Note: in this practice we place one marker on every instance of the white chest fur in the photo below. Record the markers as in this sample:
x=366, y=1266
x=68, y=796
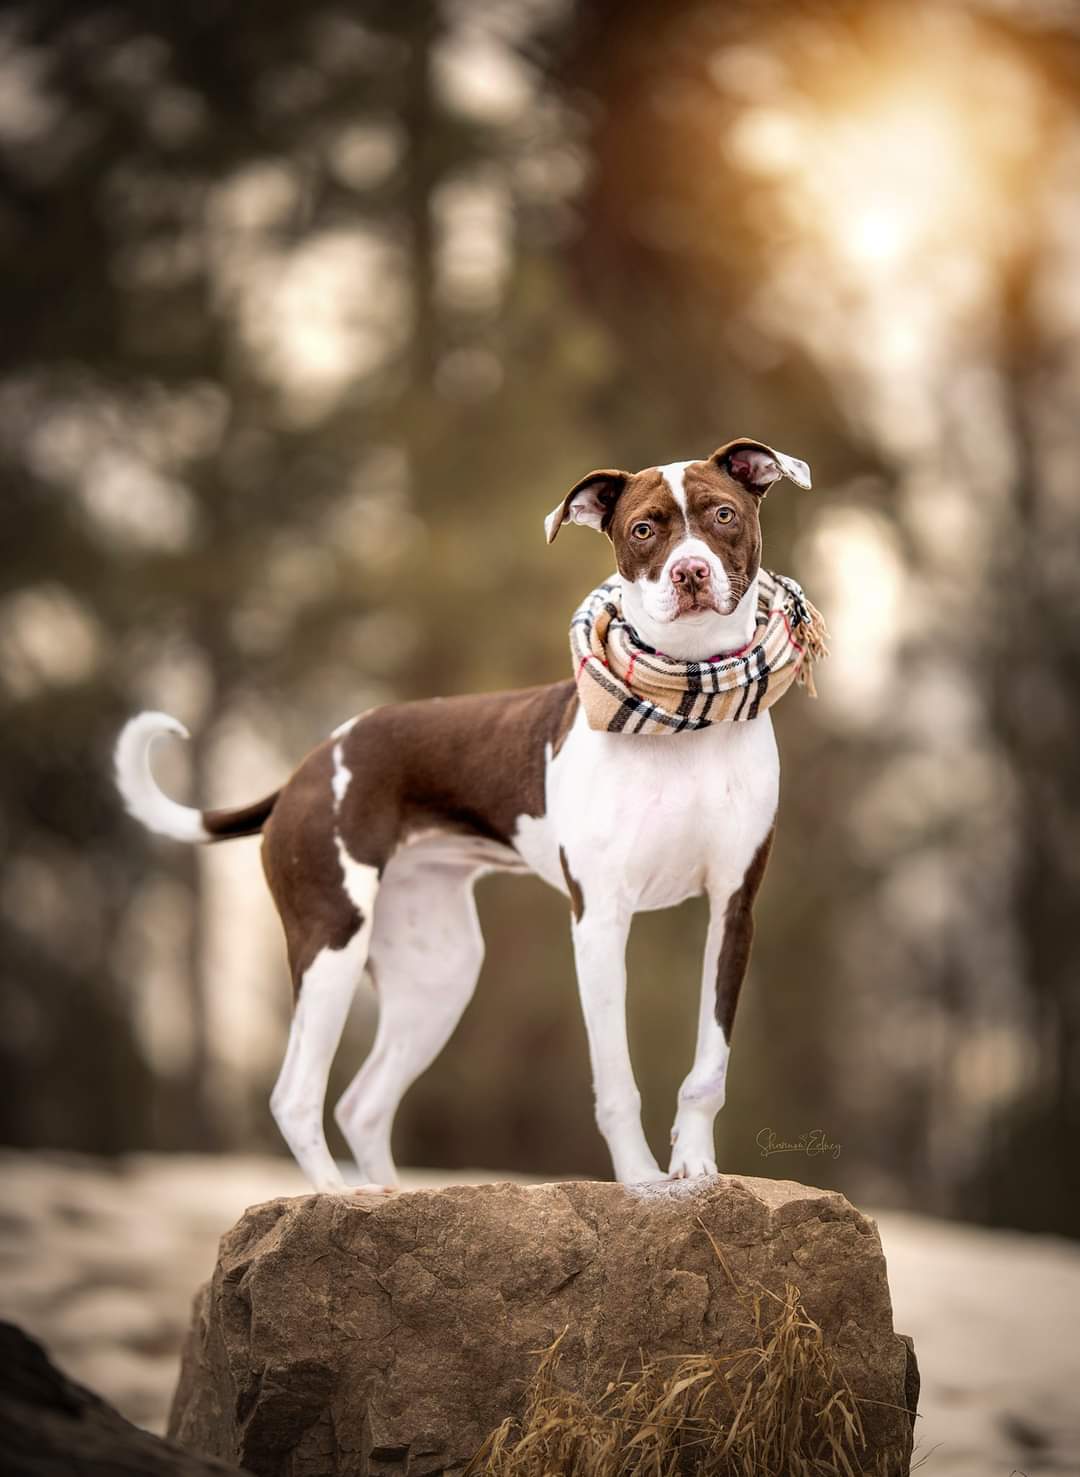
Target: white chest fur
x=645, y=822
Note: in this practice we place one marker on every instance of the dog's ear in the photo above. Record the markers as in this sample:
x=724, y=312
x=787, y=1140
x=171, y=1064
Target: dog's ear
x=589, y=501
x=757, y=466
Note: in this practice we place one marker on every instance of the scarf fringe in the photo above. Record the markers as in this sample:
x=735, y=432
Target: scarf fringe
x=815, y=635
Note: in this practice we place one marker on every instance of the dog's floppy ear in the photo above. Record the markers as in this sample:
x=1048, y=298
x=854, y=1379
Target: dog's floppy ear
x=757, y=466
x=589, y=501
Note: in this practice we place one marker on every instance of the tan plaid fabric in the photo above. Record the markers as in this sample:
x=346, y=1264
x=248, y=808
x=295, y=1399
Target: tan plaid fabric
x=627, y=687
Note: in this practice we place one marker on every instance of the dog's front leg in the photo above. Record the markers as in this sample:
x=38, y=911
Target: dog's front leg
x=727, y=954
x=600, y=953
x=701, y=1095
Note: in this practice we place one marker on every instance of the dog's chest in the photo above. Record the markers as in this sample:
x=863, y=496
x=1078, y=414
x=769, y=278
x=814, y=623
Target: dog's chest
x=654, y=820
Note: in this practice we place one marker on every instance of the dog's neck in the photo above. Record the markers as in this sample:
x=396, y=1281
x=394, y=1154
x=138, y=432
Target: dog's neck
x=693, y=638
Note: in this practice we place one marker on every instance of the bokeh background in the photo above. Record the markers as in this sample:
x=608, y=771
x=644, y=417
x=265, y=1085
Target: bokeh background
x=312, y=312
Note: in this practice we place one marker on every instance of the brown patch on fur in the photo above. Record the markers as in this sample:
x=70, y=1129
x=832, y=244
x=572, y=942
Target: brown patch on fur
x=474, y=763
x=573, y=886
x=737, y=543
x=302, y=867
x=739, y=937
x=471, y=765
x=647, y=498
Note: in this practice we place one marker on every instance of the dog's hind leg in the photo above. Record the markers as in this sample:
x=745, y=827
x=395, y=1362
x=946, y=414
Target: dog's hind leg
x=325, y=990
x=426, y=953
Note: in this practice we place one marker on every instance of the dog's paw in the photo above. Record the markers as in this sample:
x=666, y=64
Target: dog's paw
x=641, y=1174
x=349, y=1192
x=691, y=1166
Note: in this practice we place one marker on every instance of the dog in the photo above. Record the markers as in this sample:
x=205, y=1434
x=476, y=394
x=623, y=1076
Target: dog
x=372, y=849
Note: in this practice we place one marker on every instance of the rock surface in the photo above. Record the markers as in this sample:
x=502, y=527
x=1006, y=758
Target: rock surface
x=391, y=1335
x=52, y=1427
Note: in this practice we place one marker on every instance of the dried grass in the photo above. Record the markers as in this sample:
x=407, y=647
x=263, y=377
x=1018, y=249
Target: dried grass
x=781, y=1407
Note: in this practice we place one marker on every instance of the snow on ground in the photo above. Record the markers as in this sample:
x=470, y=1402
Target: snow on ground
x=100, y=1262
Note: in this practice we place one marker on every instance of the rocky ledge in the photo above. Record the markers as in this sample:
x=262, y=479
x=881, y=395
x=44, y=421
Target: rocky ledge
x=394, y=1334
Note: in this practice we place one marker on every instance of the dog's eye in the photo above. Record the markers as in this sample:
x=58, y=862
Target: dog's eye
x=724, y=514
x=641, y=530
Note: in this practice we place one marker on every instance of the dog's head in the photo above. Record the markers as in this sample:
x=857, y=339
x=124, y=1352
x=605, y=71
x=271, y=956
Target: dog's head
x=687, y=540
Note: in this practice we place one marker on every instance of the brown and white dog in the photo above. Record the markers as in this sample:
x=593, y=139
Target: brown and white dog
x=372, y=848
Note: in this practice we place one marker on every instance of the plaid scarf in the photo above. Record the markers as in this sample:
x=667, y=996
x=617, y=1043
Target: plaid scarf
x=627, y=687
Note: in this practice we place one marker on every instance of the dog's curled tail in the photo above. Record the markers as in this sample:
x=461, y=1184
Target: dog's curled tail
x=149, y=804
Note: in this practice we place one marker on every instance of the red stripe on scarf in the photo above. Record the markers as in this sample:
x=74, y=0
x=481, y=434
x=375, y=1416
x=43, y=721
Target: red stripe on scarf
x=787, y=627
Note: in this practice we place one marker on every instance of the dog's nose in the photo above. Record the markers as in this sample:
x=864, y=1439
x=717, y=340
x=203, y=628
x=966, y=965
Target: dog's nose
x=690, y=572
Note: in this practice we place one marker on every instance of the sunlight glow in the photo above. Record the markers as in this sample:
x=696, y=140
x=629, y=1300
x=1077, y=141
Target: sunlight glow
x=906, y=180
x=919, y=146
x=901, y=177
x=878, y=232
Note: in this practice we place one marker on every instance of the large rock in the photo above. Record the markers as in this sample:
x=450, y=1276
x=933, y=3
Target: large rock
x=392, y=1335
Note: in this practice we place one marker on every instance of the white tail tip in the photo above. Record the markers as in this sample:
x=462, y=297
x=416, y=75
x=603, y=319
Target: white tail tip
x=140, y=791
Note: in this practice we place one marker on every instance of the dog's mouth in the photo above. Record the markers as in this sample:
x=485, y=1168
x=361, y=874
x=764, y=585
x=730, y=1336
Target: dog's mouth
x=698, y=603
